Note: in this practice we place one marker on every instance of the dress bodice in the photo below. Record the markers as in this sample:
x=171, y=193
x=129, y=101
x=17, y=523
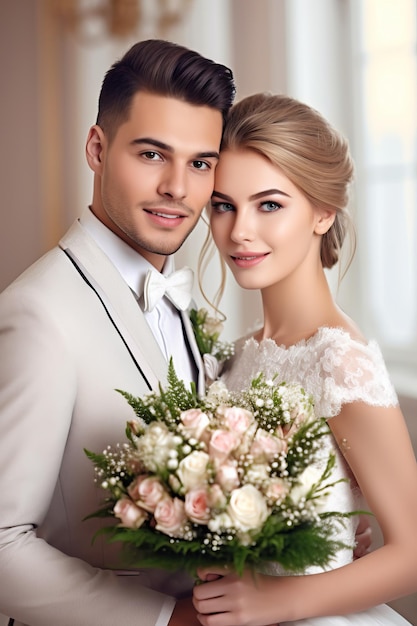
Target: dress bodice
x=335, y=369
x=331, y=366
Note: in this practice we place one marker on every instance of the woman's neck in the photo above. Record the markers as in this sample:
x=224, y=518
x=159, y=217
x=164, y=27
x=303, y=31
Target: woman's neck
x=295, y=309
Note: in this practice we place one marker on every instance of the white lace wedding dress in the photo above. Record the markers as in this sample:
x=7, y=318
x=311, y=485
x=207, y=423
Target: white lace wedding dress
x=335, y=369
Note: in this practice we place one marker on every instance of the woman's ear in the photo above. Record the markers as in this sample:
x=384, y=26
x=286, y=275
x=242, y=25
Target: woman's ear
x=94, y=148
x=325, y=220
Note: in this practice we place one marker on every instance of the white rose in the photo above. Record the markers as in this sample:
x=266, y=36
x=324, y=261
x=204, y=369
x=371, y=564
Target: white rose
x=212, y=325
x=247, y=508
x=304, y=484
x=192, y=470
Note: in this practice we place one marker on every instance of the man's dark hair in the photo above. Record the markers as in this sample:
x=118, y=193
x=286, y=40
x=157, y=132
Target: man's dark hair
x=167, y=69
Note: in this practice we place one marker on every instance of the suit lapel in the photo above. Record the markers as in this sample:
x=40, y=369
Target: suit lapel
x=118, y=301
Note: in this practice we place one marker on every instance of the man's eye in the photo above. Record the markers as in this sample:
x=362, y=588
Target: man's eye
x=201, y=165
x=151, y=155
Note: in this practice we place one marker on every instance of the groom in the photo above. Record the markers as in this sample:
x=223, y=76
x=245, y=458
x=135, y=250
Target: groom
x=81, y=322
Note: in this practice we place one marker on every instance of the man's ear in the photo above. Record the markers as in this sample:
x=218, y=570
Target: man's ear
x=325, y=220
x=94, y=148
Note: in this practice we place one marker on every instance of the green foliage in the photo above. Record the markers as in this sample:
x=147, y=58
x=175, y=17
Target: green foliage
x=294, y=548
x=166, y=404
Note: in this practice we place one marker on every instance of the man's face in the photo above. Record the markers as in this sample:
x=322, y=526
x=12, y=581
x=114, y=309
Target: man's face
x=157, y=174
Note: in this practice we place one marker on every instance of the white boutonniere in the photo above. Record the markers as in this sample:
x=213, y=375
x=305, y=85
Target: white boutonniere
x=207, y=330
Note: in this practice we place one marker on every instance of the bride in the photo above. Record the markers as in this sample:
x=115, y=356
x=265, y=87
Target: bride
x=278, y=217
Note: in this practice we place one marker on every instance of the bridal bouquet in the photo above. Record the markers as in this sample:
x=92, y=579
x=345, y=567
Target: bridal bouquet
x=227, y=478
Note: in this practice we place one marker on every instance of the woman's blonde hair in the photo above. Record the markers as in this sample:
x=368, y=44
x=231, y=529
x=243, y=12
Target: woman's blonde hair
x=310, y=152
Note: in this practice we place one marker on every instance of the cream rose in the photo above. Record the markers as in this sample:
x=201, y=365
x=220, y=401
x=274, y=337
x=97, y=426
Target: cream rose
x=170, y=517
x=130, y=515
x=212, y=325
x=192, y=470
x=247, y=508
x=305, y=482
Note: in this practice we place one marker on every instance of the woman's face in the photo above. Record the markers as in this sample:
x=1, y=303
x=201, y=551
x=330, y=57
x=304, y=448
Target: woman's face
x=264, y=227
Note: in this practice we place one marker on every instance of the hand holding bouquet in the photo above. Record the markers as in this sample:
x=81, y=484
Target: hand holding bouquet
x=228, y=478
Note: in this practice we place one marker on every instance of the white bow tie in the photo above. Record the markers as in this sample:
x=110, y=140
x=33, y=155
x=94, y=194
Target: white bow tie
x=177, y=287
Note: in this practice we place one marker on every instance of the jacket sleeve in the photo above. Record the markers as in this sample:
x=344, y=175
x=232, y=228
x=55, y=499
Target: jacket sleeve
x=40, y=585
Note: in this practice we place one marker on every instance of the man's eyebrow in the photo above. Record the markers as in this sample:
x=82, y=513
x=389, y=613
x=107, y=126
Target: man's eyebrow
x=164, y=146
x=255, y=196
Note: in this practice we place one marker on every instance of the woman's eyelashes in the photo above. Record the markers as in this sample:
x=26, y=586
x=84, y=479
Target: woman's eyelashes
x=266, y=206
x=221, y=207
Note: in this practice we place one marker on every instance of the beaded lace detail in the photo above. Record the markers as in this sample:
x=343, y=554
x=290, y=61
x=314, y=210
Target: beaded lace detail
x=335, y=369
x=330, y=365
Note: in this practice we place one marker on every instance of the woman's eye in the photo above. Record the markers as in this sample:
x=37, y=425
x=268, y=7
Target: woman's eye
x=221, y=207
x=201, y=165
x=270, y=206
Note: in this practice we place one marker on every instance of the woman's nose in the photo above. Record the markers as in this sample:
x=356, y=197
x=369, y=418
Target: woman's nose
x=243, y=229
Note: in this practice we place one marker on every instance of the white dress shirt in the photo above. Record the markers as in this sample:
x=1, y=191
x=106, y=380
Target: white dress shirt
x=164, y=320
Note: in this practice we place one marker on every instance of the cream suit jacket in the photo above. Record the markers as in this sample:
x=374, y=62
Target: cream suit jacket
x=71, y=332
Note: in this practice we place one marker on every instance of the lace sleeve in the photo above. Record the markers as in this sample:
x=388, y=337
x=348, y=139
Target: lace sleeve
x=352, y=372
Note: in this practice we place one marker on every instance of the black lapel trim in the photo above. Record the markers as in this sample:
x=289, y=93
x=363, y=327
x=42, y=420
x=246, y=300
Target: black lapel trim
x=84, y=277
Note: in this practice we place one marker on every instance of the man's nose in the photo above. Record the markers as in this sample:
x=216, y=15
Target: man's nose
x=173, y=183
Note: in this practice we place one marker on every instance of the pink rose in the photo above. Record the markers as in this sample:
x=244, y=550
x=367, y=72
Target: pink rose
x=130, y=515
x=147, y=491
x=194, y=422
x=265, y=446
x=170, y=517
x=227, y=476
x=222, y=443
x=236, y=419
x=196, y=506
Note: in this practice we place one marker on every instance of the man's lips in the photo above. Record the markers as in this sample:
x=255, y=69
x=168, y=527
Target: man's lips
x=166, y=217
x=168, y=213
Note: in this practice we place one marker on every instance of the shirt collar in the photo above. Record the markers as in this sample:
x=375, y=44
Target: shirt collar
x=132, y=266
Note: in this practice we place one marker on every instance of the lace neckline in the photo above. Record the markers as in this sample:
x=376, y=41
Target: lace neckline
x=321, y=333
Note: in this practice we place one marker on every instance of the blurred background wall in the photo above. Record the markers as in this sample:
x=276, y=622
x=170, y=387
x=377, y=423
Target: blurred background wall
x=354, y=60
